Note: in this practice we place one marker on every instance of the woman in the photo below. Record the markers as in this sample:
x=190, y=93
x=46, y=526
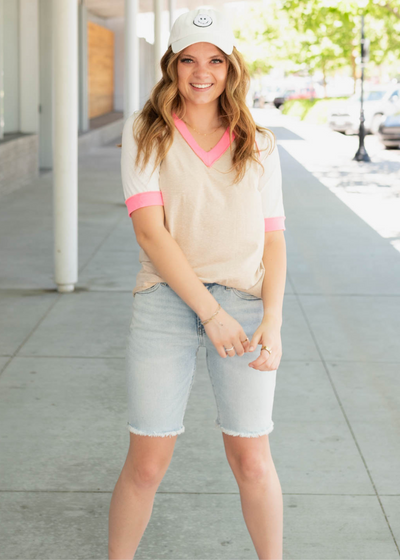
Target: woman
x=205, y=198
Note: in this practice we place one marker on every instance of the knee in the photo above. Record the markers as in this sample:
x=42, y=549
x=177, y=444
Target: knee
x=147, y=474
x=251, y=468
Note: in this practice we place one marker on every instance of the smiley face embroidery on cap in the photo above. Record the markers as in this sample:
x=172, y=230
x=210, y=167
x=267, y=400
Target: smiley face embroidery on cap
x=202, y=20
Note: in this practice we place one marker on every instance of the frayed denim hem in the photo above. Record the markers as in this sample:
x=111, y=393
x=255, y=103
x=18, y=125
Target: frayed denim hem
x=248, y=435
x=155, y=434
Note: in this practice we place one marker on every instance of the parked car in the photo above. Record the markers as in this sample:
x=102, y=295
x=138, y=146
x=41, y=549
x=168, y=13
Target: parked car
x=282, y=96
x=258, y=99
x=377, y=103
x=389, y=129
x=266, y=95
x=304, y=93
x=270, y=94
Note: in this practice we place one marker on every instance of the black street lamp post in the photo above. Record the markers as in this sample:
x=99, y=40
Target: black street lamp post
x=361, y=154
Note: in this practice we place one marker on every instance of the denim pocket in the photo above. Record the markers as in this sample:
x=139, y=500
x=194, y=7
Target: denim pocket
x=245, y=295
x=149, y=290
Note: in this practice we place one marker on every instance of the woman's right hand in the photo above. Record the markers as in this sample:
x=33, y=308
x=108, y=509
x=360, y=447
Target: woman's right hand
x=229, y=333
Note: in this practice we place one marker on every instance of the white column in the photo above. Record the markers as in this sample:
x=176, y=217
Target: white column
x=29, y=65
x=157, y=40
x=65, y=196
x=171, y=7
x=1, y=70
x=131, y=83
x=46, y=83
x=83, y=69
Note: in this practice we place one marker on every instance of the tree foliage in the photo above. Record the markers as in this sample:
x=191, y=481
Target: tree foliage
x=320, y=35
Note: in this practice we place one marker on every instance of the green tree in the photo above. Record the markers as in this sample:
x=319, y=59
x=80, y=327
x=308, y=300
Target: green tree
x=324, y=35
x=333, y=28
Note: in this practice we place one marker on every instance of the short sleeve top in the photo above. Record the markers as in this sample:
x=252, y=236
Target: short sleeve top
x=220, y=226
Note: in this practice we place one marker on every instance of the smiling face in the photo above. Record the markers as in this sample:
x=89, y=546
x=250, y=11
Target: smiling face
x=202, y=64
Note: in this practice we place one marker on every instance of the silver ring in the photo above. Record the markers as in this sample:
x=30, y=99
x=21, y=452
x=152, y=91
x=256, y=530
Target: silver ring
x=229, y=349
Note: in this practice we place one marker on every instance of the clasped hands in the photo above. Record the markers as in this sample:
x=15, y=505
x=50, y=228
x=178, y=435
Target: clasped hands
x=268, y=333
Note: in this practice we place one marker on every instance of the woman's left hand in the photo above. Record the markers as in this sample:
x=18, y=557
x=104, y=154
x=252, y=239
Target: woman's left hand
x=267, y=334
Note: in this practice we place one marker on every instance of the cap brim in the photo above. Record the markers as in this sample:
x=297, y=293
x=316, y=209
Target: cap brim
x=178, y=46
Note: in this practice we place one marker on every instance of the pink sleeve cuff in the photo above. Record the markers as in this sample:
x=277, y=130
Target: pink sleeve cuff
x=273, y=224
x=150, y=198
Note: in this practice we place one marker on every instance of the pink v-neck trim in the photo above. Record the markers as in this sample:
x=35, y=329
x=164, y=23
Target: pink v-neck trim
x=207, y=157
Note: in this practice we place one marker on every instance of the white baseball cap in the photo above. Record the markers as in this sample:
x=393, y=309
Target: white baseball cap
x=202, y=25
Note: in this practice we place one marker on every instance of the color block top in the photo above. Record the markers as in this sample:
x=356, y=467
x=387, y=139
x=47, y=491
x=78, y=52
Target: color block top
x=218, y=225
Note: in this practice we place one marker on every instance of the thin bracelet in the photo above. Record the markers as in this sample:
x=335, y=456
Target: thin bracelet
x=212, y=316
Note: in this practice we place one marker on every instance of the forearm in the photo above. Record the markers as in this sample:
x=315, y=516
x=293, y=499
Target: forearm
x=273, y=287
x=173, y=266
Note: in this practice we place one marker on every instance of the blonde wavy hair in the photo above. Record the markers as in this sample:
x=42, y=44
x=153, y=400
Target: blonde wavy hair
x=154, y=126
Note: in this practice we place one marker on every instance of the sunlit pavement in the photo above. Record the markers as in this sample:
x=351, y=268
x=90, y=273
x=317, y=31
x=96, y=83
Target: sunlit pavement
x=336, y=442
x=370, y=189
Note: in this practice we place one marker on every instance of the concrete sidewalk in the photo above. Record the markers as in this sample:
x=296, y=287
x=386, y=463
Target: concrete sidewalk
x=336, y=443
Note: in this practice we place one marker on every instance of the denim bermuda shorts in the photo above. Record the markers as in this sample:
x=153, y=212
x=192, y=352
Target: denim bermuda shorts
x=164, y=337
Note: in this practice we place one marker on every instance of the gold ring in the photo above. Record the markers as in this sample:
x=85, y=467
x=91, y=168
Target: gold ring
x=267, y=349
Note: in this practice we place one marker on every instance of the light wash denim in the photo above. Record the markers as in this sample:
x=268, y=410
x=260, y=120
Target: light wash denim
x=164, y=337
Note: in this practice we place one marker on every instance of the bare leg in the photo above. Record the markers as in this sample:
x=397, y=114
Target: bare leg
x=260, y=492
x=133, y=497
